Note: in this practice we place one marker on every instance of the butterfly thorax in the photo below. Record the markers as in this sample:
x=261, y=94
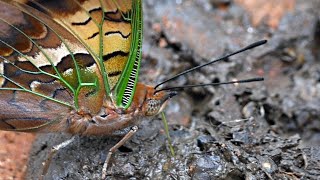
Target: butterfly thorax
x=112, y=118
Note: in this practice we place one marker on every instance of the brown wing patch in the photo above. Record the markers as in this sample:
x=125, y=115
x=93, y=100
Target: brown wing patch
x=35, y=50
x=21, y=38
x=82, y=18
x=21, y=111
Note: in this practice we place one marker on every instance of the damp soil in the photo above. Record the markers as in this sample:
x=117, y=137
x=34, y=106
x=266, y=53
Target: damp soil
x=262, y=130
x=14, y=153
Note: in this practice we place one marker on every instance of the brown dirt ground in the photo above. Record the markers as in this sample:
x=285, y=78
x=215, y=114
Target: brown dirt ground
x=14, y=153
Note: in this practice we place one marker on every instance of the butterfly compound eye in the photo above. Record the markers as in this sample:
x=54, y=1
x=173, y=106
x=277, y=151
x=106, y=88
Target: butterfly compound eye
x=158, y=101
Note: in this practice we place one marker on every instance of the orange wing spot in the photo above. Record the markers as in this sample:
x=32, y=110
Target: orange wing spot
x=114, y=43
x=123, y=5
x=37, y=30
x=124, y=28
x=5, y=51
x=115, y=64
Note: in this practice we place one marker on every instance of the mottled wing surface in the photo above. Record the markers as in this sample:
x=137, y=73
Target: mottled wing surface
x=112, y=32
x=45, y=71
x=59, y=56
x=126, y=86
x=104, y=26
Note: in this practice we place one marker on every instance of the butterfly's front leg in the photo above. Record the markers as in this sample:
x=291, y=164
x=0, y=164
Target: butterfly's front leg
x=53, y=151
x=132, y=131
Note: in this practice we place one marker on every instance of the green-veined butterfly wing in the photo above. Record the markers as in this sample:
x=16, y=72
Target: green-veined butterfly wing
x=112, y=32
x=45, y=71
x=68, y=53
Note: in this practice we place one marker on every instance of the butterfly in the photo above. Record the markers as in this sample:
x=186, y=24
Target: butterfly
x=72, y=66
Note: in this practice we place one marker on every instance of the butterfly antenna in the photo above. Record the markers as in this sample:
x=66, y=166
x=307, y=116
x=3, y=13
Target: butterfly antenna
x=181, y=88
x=251, y=46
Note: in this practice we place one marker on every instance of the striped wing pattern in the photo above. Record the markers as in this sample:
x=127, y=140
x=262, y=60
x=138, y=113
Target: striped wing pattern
x=58, y=56
x=87, y=19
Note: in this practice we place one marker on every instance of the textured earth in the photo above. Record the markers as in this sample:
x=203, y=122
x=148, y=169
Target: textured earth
x=14, y=153
x=262, y=130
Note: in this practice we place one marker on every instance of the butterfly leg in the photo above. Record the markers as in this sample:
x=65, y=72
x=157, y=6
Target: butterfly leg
x=132, y=131
x=53, y=151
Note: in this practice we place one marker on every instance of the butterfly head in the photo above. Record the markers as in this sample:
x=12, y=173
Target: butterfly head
x=153, y=102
